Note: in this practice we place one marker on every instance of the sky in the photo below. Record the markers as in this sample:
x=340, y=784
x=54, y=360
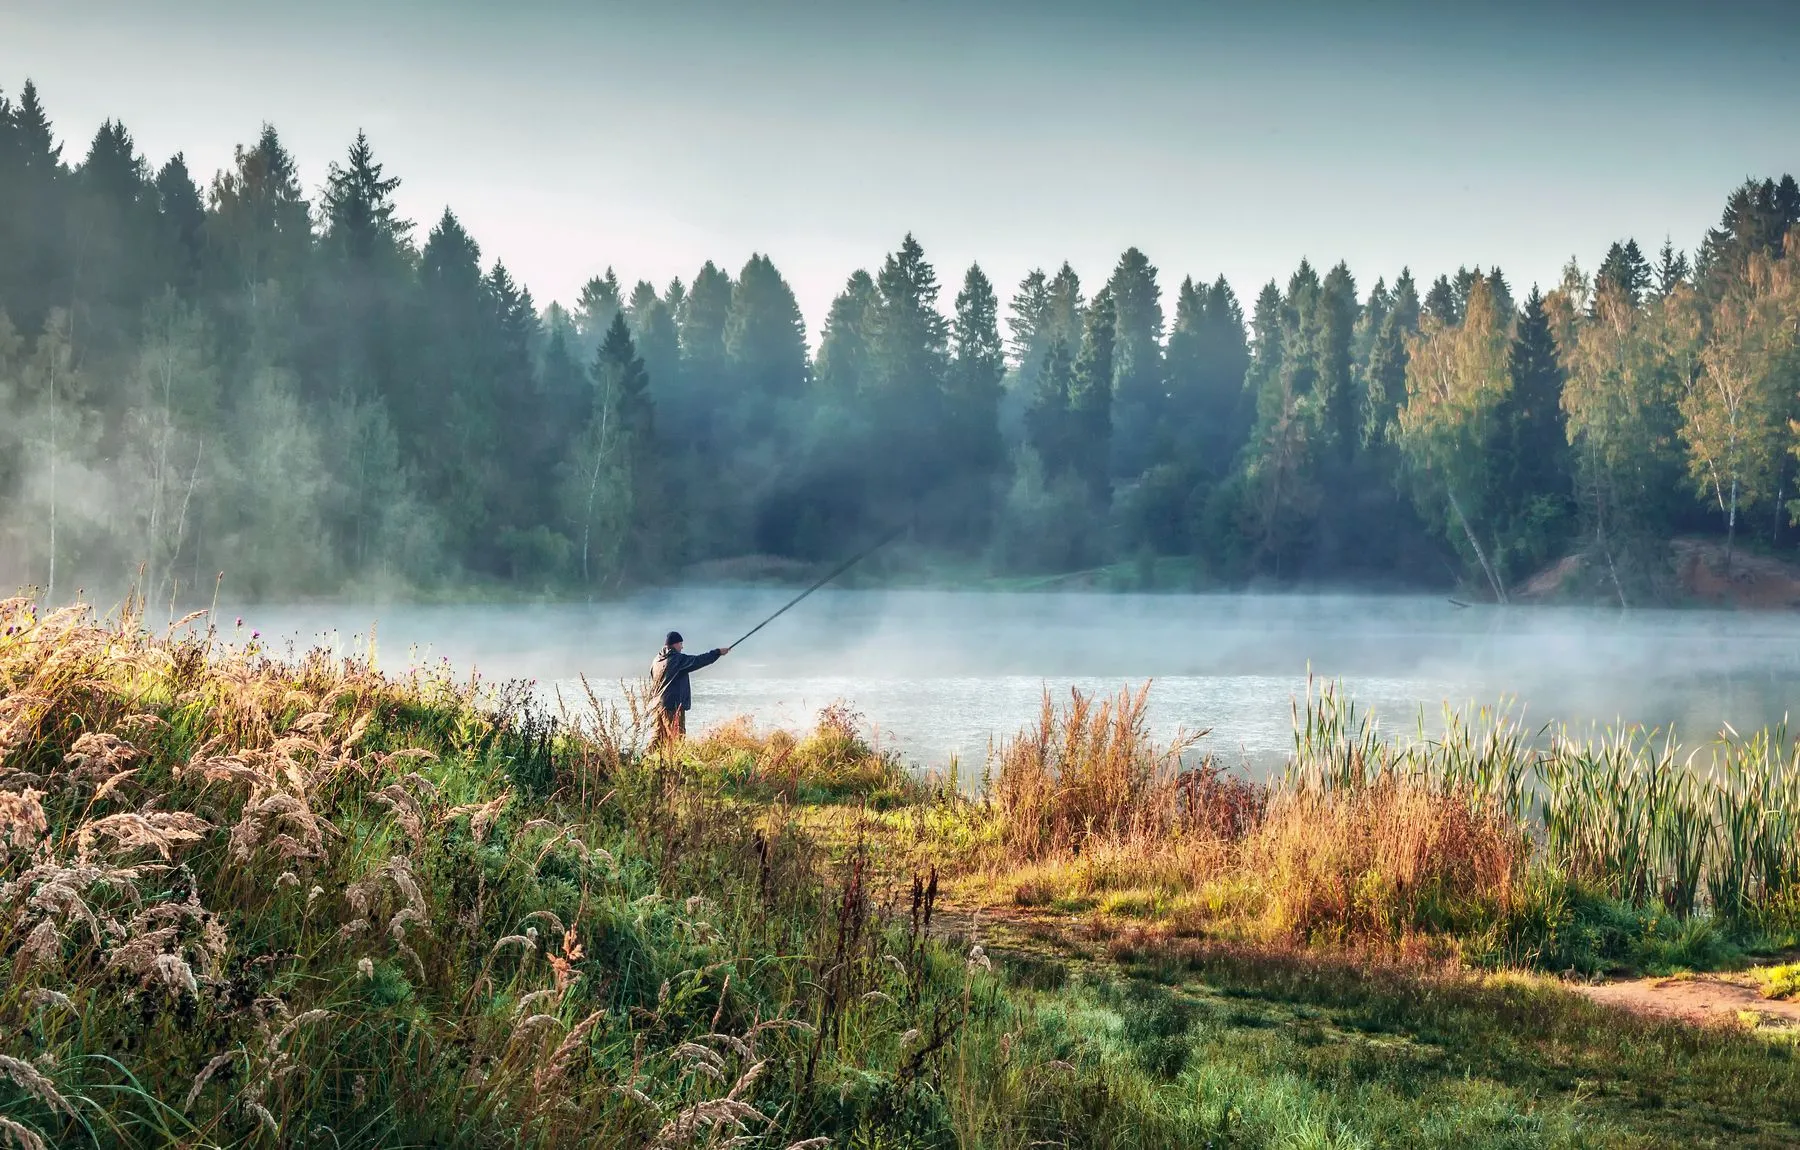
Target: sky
x=1228, y=139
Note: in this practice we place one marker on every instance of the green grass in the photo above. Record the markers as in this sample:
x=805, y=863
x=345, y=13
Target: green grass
x=417, y=916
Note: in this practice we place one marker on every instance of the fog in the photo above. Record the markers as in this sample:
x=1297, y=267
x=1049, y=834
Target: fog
x=938, y=673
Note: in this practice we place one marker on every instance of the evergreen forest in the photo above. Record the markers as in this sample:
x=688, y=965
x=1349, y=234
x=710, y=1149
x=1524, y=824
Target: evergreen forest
x=231, y=372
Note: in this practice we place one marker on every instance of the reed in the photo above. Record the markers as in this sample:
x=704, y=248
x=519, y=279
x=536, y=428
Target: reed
x=1368, y=838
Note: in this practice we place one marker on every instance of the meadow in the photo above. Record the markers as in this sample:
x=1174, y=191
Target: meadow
x=249, y=900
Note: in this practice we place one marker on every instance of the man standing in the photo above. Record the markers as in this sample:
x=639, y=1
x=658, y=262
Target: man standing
x=669, y=681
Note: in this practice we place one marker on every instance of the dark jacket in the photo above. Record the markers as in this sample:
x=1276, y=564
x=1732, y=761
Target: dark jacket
x=669, y=676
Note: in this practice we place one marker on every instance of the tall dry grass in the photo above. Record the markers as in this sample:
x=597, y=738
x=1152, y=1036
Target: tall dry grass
x=248, y=900
x=1365, y=837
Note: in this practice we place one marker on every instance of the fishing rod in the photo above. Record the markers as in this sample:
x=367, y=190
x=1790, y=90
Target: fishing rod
x=838, y=570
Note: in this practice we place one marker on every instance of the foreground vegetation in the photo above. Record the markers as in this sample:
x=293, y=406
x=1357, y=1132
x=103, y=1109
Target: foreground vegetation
x=251, y=902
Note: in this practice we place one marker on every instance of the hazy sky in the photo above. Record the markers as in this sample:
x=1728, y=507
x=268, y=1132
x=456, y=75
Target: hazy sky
x=1229, y=138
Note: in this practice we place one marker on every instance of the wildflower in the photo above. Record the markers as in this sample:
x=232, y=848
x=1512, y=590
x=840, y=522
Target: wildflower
x=365, y=967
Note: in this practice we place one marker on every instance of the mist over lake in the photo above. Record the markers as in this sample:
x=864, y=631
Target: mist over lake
x=939, y=673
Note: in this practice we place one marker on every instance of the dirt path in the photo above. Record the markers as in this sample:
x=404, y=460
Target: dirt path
x=1699, y=998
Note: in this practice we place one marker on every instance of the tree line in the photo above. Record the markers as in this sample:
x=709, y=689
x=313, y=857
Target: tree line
x=302, y=392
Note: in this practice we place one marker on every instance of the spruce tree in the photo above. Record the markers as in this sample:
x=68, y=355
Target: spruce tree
x=1140, y=392
x=1048, y=431
x=1339, y=403
x=977, y=366
x=624, y=381
x=1063, y=320
x=361, y=219
x=1384, y=382
x=183, y=223
x=1091, y=398
x=910, y=344
x=765, y=337
x=702, y=320
x=1534, y=485
x=1671, y=269
x=1261, y=380
x=1029, y=324
x=1442, y=304
x=1206, y=362
x=1501, y=295
x=112, y=215
x=1624, y=270
x=658, y=342
x=34, y=259
x=259, y=230
x=595, y=306
x=842, y=368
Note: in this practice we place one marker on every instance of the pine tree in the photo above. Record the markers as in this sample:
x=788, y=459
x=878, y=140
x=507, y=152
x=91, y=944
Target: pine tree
x=1064, y=316
x=843, y=368
x=361, y=219
x=1029, y=324
x=1207, y=361
x=34, y=256
x=1441, y=302
x=1140, y=392
x=1756, y=220
x=910, y=344
x=112, y=228
x=702, y=320
x=1624, y=270
x=260, y=228
x=1384, y=373
x=657, y=339
x=1531, y=449
x=1048, y=431
x=1339, y=403
x=1671, y=270
x=595, y=307
x=1501, y=294
x=977, y=366
x=621, y=372
x=765, y=337
x=183, y=223
x=1091, y=398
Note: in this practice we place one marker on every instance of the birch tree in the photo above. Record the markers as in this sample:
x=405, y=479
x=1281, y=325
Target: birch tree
x=1456, y=377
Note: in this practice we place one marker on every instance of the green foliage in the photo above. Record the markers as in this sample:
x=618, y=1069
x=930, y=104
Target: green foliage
x=447, y=429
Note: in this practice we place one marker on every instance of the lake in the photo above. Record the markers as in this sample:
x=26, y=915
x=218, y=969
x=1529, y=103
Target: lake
x=938, y=673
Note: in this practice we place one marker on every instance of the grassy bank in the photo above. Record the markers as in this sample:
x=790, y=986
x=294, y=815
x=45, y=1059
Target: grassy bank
x=1621, y=852
x=246, y=902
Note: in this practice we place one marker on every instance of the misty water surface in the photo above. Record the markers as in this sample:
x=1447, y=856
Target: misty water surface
x=938, y=673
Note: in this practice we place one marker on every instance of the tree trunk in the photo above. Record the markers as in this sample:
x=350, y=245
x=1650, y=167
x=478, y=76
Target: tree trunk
x=1731, y=527
x=50, y=589
x=1480, y=553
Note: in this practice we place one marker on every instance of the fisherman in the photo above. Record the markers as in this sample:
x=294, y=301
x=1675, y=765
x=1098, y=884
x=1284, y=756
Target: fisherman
x=669, y=680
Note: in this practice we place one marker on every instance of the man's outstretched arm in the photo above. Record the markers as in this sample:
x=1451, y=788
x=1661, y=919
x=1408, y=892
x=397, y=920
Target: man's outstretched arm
x=707, y=659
